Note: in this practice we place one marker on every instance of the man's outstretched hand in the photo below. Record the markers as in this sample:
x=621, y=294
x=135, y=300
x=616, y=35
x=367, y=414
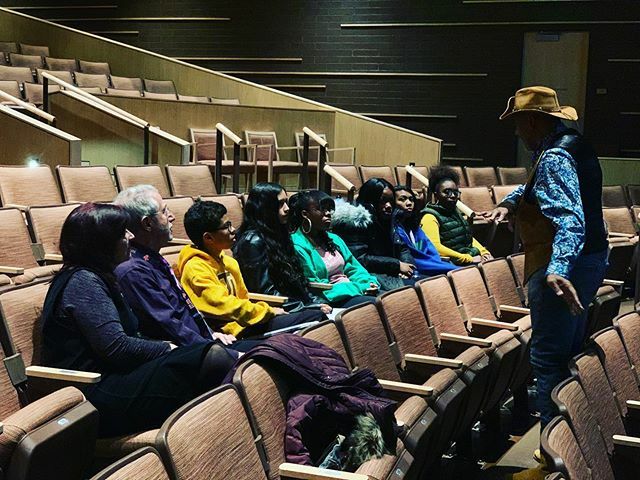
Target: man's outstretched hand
x=496, y=215
x=564, y=288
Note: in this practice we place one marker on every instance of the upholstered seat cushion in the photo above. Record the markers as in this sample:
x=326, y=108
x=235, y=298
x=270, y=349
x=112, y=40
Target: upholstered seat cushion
x=32, y=274
x=116, y=447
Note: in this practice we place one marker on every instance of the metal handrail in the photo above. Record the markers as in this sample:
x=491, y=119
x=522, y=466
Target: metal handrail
x=221, y=131
x=50, y=119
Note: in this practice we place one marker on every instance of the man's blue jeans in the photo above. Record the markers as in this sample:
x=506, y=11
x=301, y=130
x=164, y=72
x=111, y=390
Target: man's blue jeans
x=557, y=335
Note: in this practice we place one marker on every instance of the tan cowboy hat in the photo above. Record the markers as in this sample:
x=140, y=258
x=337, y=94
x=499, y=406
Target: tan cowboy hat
x=538, y=99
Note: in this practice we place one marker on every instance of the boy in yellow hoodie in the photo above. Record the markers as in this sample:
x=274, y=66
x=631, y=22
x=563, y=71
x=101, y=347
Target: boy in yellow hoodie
x=214, y=282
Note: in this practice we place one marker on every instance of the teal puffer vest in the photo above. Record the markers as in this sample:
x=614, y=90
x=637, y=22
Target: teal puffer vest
x=455, y=232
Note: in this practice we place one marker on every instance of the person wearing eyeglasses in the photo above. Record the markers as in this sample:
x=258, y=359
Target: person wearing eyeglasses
x=214, y=283
x=445, y=226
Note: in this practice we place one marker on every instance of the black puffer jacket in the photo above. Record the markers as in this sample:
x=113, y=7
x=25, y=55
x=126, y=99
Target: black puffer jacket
x=373, y=244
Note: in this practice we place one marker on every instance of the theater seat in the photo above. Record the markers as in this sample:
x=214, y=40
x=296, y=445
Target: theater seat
x=86, y=184
x=193, y=180
x=39, y=50
x=561, y=452
x=143, y=464
x=512, y=175
x=130, y=176
x=95, y=68
x=481, y=176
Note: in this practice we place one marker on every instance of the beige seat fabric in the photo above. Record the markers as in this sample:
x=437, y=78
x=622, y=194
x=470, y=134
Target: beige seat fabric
x=19, y=74
x=86, y=184
x=126, y=83
x=179, y=206
x=385, y=172
x=143, y=464
x=512, y=175
x=22, y=185
x=61, y=64
x=39, y=50
x=480, y=176
x=96, y=68
x=28, y=61
x=129, y=176
x=192, y=180
x=233, y=204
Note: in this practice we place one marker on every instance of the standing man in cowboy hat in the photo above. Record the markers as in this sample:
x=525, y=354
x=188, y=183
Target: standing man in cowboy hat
x=558, y=213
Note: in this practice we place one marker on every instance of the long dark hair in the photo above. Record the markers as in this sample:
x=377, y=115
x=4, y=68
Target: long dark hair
x=370, y=194
x=410, y=221
x=261, y=216
x=90, y=236
x=303, y=201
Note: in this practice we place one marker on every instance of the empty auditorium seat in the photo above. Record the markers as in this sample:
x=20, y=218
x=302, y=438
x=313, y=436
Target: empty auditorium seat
x=633, y=192
x=61, y=64
x=378, y=171
x=225, y=101
x=12, y=88
x=233, y=205
x=86, y=184
x=29, y=61
x=38, y=50
x=512, y=175
x=267, y=155
x=126, y=83
x=26, y=186
x=351, y=173
x=561, y=452
x=33, y=92
x=160, y=86
x=160, y=96
x=193, y=180
x=193, y=98
x=460, y=172
x=477, y=199
x=99, y=80
x=143, y=464
x=8, y=47
x=129, y=176
x=614, y=196
x=95, y=68
x=501, y=191
x=401, y=175
x=481, y=176
x=116, y=92
x=620, y=222
x=179, y=206
x=19, y=74
x=63, y=75
x=46, y=225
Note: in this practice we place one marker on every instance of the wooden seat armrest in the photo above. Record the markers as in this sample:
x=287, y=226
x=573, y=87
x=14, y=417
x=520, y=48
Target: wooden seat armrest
x=24, y=208
x=612, y=282
x=53, y=257
x=620, y=234
x=626, y=441
x=11, y=270
x=61, y=374
x=430, y=360
x=514, y=309
x=180, y=241
x=289, y=148
x=408, y=388
x=633, y=405
x=493, y=324
x=273, y=300
x=451, y=337
x=321, y=286
x=307, y=472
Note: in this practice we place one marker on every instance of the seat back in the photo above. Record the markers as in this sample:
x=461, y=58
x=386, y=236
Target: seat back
x=179, y=206
x=401, y=175
x=192, y=180
x=351, y=173
x=46, y=224
x=193, y=98
x=61, y=64
x=95, y=68
x=593, y=379
x=614, y=196
x=22, y=185
x=440, y=305
x=501, y=283
x=160, y=96
x=477, y=199
x=500, y=191
x=160, y=86
x=629, y=327
x=617, y=366
x=206, y=142
x=126, y=83
x=143, y=464
x=61, y=74
x=619, y=220
x=263, y=138
x=378, y=171
x=99, y=80
x=512, y=175
x=481, y=176
x=34, y=92
x=233, y=205
x=9, y=47
x=516, y=262
x=86, y=184
x=314, y=149
x=16, y=250
x=11, y=87
x=129, y=176
x=633, y=193
x=368, y=341
x=402, y=312
x=191, y=438
x=19, y=74
x=561, y=451
x=38, y=50
x=330, y=333
x=28, y=61
x=472, y=293
x=123, y=93
x=573, y=404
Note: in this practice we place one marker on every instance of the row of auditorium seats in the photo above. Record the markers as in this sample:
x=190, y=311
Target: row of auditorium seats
x=454, y=353
x=596, y=435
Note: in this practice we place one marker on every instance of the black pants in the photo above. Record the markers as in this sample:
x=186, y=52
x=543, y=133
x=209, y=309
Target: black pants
x=283, y=321
x=350, y=302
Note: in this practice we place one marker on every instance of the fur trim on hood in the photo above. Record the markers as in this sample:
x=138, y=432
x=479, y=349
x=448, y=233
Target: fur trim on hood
x=347, y=215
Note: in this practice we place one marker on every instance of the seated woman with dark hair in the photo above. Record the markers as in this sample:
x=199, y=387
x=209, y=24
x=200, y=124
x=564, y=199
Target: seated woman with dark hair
x=87, y=325
x=407, y=227
x=324, y=256
x=444, y=224
x=265, y=252
x=215, y=285
x=367, y=229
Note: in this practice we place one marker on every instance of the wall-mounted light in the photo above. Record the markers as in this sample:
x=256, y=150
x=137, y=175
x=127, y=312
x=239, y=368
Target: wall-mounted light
x=33, y=161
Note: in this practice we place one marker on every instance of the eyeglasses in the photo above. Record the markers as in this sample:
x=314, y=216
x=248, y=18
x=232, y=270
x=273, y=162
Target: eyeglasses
x=451, y=192
x=226, y=226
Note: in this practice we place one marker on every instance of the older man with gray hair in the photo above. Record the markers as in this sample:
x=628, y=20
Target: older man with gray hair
x=147, y=281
